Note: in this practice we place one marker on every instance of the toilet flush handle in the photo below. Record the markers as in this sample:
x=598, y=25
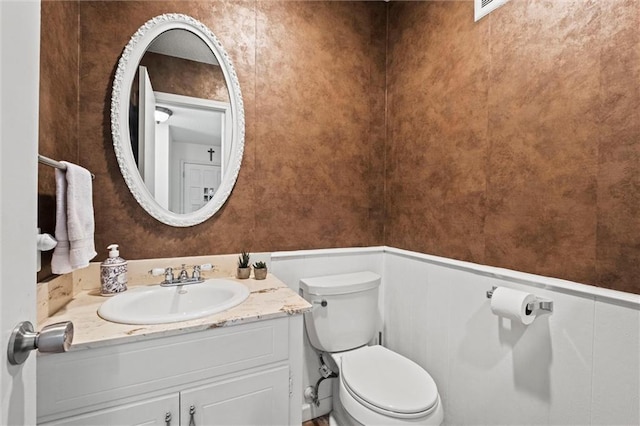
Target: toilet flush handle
x=322, y=302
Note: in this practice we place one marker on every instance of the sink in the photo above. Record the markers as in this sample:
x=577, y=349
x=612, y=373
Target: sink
x=160, y=305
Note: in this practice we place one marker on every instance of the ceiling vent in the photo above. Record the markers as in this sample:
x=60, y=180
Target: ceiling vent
x=483, y=7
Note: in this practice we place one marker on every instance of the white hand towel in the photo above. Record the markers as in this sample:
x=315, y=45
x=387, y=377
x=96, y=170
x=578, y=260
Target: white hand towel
x=60, y=262
x=74, y=220
x=80, y=223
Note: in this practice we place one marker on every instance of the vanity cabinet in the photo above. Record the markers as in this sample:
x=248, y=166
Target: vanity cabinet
x=255, y=399
x=240, y=375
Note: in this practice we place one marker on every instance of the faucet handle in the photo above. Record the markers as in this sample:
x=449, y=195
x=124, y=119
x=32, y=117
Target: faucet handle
x=157, y=272
x=168, y=275
x=196, y=272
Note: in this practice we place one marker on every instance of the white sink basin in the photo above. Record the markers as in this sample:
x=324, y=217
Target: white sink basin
x=159, y=305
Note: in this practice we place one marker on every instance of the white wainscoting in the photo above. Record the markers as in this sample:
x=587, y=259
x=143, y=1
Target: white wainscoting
x=579, y=365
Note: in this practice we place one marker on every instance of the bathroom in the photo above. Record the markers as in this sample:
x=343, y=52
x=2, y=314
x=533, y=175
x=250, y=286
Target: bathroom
x=405, y=139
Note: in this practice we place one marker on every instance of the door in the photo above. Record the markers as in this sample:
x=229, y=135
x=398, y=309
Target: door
x=260, y=399
x=146, y=129
x=200, y=183
x=19, y=86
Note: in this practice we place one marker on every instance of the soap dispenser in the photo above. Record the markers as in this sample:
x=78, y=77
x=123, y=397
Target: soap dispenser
x=113, y=273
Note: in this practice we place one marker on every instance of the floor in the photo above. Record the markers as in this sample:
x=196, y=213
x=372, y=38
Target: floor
x=318, y=421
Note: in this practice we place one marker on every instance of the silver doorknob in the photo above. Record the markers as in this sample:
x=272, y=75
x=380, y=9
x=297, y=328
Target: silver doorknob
x=53, y=338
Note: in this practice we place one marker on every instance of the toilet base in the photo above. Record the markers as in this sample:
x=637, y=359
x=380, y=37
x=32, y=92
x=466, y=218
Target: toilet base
x=339, y=415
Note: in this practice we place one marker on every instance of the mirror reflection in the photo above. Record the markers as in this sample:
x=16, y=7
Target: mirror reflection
x=180, y=121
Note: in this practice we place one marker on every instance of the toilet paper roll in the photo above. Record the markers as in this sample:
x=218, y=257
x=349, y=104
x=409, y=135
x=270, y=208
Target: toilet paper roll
x=512, y=304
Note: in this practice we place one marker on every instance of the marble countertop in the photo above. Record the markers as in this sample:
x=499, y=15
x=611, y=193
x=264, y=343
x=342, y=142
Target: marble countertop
x=268, y=299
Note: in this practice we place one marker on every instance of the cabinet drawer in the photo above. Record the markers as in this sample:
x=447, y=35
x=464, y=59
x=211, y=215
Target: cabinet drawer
x=83, y=381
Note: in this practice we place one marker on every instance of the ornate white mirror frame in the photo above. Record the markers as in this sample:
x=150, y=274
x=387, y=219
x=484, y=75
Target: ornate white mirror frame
x=120, y=97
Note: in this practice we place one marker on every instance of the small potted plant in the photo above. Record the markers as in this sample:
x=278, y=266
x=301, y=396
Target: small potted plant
x=244, y=270
x=260, y=270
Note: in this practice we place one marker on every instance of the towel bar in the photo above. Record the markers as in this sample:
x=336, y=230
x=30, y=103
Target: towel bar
x=56, y=164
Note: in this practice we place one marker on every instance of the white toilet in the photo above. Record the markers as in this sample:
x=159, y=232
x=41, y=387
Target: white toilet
x=375, y=386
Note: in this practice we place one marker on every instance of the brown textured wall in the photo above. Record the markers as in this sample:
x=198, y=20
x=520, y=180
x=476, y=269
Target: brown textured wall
x=512, y=142
x=58, y=118
x=515, y=141
x=320, y=132
x=312, y=78
x=167, y=74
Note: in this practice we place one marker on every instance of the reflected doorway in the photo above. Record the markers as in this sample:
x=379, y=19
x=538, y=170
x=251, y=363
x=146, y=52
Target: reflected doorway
x=199, y=184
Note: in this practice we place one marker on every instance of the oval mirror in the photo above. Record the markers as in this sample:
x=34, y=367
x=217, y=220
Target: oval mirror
x=177, y=120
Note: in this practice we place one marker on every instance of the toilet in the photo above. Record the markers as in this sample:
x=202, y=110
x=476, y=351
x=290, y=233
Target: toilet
x=375, y=386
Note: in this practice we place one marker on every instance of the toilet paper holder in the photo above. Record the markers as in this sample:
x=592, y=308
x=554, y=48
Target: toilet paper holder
x=544, y=305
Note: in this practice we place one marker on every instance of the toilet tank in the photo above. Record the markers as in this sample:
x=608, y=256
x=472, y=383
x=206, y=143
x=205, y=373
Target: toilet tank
x=350, y=317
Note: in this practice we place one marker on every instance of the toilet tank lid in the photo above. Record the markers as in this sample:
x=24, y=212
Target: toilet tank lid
x=340, y=284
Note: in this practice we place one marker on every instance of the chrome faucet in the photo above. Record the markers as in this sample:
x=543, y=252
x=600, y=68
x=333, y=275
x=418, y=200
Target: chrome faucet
x=183, y=274
x=183, y=277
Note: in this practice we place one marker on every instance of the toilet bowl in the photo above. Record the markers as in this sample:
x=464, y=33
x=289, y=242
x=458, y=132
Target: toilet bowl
x=375, y=386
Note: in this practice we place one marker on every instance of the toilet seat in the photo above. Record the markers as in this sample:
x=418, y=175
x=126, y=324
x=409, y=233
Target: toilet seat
x=388, y=383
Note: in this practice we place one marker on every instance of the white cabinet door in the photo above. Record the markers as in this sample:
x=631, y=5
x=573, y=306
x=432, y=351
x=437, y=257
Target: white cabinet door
x=149, y=412
x=256, y=399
